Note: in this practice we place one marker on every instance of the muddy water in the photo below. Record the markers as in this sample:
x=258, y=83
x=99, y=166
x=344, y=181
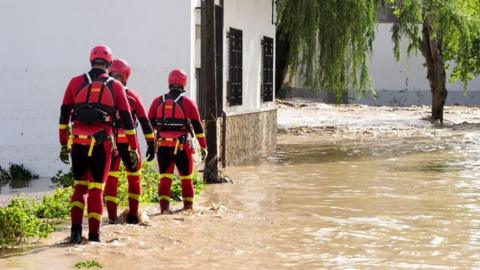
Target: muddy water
x=318, y=203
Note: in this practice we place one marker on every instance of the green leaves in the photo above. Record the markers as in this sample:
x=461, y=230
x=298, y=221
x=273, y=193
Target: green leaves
x=330, y=41
x=88, y=264
x=150, y=181
x=455, y=29
x=19, y=222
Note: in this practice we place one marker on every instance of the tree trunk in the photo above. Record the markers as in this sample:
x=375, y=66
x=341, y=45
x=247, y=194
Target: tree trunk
x=436, y=75
x=210, y=173
x=282, y=50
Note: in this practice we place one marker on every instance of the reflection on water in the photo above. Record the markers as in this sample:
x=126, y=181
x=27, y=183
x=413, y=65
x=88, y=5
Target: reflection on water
x=33, y=187
x=316, y=204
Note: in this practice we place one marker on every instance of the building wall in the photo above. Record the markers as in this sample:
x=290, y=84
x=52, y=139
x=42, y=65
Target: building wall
x=400, y=83
x=45, y=43
x=252, y=126
x=250, y=134
x=254, y=18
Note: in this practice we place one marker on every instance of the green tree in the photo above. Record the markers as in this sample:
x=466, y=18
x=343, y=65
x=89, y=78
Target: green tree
x=446, y=33
x=327, y=41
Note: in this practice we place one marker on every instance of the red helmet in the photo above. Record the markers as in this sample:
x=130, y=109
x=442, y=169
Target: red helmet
x=121, y=67
x=179, y=77
x=101, y=52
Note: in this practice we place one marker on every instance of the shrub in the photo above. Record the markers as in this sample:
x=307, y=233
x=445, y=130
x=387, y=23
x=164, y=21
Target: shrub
x=56, y=205
x=18, y=222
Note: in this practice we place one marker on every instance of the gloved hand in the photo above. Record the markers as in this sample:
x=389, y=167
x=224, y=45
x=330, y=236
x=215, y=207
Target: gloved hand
x=203, y=153
x=64, y=154
x=150, y=150
x=133, y=157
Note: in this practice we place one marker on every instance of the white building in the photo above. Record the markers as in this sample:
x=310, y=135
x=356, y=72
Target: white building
x=45, y=43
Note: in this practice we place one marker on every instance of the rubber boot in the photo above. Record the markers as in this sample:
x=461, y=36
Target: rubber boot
x=132, y=219
x=76, y=234
x=94, y=237
x=164, y=207
x=187, y=205
x=113, y=221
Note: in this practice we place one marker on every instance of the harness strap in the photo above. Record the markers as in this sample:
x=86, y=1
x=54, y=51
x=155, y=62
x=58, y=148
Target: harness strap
x=89, y=79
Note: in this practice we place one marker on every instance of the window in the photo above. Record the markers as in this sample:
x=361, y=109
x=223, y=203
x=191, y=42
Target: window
x=235, y=67
x=267, y=69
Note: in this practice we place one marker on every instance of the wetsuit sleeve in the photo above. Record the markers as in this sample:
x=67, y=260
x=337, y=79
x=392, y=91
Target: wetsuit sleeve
x=143, y=119
x=194, y=115
x=121, y=102
x=151, y=111
x=65, y=113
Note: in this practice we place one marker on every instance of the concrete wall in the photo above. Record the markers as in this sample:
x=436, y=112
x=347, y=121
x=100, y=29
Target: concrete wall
x=45, y=43
x=250, y=134
x=254, y=18
x=401, y=83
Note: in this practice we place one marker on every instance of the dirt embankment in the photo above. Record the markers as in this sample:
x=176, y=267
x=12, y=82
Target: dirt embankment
x=302, y=118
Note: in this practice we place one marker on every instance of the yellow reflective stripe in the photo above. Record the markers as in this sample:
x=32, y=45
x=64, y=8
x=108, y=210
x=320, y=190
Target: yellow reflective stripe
x=93, y=185
x=92, y=144
x=186, y=177
x=134, y=196
x=112, y=199
x=149, y=136
x=200, y=135
x=78, y=204
x=62, y=126
x=165, y=198
x=176, y=147
x=80, y=182
x=167, y=175
x=188, y=199
x=130, y=131
x=137, y=173
x=83, y=137
x=96, y=216
x=114, y=174
x=70, y=142
x=121, y=135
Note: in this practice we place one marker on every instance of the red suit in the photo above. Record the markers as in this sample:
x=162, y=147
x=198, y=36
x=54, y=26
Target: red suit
x=133, y=173
x=174, y=116
x=92, y=101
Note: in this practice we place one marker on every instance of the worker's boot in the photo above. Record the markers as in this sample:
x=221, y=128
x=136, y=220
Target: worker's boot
x=76, y=234
x=132, y=219
x=94, y=237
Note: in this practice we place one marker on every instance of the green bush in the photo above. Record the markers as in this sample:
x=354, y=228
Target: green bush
x=18, y=222
x=56, y=205
x=19, y=172
x=62, y=179
x=150, y=181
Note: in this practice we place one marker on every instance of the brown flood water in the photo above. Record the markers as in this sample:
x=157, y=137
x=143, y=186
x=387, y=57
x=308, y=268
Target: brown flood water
x=317, y=203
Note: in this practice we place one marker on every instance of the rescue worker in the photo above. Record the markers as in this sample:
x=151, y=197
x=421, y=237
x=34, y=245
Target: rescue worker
x=92, y=102
x=121, y=71
x=176, y=119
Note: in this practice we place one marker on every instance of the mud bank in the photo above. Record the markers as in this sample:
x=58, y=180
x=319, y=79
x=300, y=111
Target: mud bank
x=350, y=121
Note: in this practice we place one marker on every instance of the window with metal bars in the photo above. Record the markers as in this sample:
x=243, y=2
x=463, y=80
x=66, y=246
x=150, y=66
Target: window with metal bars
x=235, y=67
x=267, y=69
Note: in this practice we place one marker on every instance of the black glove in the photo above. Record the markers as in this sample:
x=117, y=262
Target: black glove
x=150, y=151
x=203, y=153
x=64, y=154
x=133, y=157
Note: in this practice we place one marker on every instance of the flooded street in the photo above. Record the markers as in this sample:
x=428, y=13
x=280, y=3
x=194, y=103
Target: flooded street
x=319, y=202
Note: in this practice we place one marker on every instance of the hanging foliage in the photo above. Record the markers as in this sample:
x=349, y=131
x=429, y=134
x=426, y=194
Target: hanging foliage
x=329, y=42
